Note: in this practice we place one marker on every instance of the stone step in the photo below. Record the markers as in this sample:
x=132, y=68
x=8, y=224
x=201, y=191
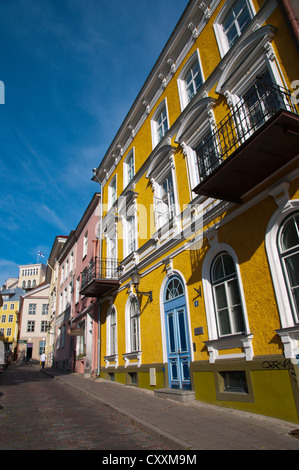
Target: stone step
x=175, y=394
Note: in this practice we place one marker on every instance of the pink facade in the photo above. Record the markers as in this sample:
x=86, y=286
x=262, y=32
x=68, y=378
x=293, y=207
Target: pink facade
x=76, y=335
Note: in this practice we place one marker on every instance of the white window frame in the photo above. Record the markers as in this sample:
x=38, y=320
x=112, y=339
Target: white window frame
x=128, y=176
x=221, y=38
x=161, y=165
x=289, y=331
x=77, y=290
x=128, y=210
x=216, y=342
x=184, y=99
x=111, y=347
x=283, y=257
x=132, y=354
x=112, y=192
x=154, y=123
x=32, y=309
x=85, y=244
x=197, y=123
x=164, y=211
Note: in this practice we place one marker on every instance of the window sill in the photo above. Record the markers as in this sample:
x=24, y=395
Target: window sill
x=132, y=356
x=113, y=358
x=289, y=337
x=243, y=341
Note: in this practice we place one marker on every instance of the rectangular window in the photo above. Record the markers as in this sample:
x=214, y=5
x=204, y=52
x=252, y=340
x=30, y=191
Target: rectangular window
x=112, y=192
x=30, y=326
x=234, y=381
x=43, y=327
x=193, y=80
x=12, y=306
x=3, y=318
x=236, y=21
x=130, y=168
x=8, y=332
x=45, y=309
x=42, y=347
x=165, y=203
x=77, y=289
x=10, y=318
x=162, y=124
x=32, y=309
x=85, y=244
x=131, y=236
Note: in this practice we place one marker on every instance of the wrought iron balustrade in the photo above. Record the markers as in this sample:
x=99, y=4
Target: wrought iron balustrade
x=100, y=268
x=261, y=102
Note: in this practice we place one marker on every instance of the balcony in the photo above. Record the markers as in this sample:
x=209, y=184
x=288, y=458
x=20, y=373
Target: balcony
x=258, y=137
x=100, y=277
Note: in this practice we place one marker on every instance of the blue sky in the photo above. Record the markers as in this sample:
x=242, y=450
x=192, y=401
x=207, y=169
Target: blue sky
x=71, y=71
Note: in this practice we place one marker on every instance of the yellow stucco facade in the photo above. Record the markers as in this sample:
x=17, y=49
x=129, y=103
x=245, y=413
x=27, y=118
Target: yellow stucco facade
x=251, y=366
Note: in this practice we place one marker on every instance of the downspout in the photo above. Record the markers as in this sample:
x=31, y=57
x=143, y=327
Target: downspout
x=292, y=20
x=100, y=257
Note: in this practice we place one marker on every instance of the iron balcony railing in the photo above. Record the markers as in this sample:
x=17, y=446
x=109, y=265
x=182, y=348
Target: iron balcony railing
x=100, y=268
x=257, y=105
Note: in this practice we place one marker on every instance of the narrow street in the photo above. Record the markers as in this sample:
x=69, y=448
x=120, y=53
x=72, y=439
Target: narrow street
x=38, y=413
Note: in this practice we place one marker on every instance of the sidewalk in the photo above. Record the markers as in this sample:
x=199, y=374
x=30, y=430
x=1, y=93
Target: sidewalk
x=186, y=426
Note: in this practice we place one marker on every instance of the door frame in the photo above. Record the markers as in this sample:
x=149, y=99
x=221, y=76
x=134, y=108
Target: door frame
x=174, y=272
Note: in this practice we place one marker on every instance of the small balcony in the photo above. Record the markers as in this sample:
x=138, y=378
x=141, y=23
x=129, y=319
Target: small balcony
x=100, y=277
x=258, y=137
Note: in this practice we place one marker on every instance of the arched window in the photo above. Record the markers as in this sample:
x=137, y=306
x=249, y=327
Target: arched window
x=174, y=289
x=112, y=332
x=134, y=325
x=288, y=246
x=226, y=294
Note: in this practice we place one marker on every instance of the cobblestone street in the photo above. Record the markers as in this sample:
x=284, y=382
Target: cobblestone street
x=39, y=413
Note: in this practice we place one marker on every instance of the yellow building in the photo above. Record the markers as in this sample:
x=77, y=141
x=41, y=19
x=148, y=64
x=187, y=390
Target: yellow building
x=201, y=211
x=9, y=317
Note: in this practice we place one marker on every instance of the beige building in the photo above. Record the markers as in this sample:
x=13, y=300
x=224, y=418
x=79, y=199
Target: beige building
x=34, y=323
x=31, y=275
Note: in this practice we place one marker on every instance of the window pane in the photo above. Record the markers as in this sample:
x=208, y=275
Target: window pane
x=171, y=334
x=296, y=301
x=218, y=271
x=292, y=265
x=229, y=265
x=233, y=290
x=221, y=300
x=237, y=318
x=182, y=331
x=224, y=322
x=290, y=236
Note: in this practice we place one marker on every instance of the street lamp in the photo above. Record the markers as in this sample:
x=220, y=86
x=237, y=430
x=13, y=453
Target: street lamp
x=136, y=276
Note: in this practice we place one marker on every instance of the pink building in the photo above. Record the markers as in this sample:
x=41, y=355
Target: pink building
x=76, y=322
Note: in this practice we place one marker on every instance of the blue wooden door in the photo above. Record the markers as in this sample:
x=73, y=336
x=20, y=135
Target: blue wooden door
x=178, y=344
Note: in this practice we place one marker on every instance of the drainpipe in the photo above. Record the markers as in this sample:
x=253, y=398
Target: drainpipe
x=292, y=19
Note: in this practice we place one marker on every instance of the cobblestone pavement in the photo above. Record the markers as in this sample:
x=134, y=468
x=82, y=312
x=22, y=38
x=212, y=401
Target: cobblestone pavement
x=38, y=413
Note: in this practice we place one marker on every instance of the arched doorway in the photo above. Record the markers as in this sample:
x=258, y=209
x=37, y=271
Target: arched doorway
x=177, y=337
